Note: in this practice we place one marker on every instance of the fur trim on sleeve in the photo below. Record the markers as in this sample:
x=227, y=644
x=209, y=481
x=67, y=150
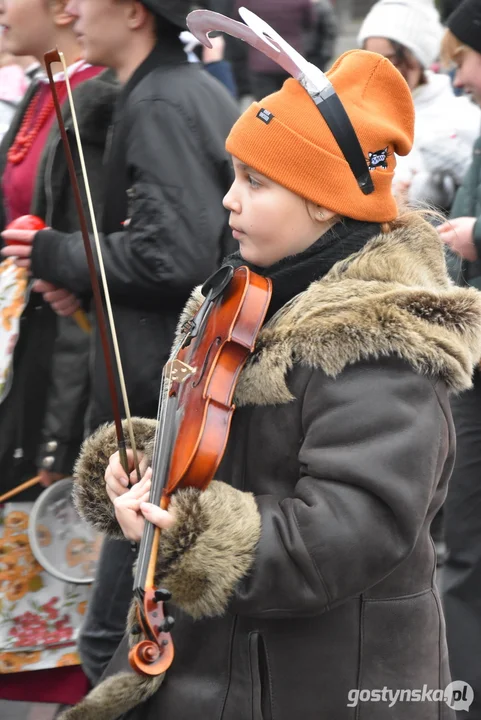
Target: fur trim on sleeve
x=114, y=696
x=89, y=494
x=210, y=548
x=119, y=693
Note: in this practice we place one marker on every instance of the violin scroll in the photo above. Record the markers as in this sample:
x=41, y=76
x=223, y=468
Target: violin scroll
x=153, y=656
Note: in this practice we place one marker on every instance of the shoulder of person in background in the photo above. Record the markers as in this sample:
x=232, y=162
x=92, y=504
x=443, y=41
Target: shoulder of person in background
x=7, y=113
x=435, y=101
x=446, y=130
x=323, y=34
x=215, y=63
x=212, y=58
x=13, y=83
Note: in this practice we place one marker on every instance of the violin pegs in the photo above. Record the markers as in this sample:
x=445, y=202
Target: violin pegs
x=162, y=595
x=136, y=629
x=167, y=624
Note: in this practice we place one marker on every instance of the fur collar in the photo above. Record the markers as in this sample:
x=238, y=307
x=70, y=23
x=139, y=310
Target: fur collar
x=394, y=297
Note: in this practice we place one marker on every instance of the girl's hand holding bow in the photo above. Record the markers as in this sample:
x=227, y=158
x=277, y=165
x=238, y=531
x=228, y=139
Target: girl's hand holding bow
x=131, y=505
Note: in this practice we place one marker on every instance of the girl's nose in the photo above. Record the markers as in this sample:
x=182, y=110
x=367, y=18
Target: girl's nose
x=230, y=202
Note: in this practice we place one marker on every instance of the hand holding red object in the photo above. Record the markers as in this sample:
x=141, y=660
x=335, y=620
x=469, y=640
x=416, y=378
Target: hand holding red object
x=19, y=236
x=27, y=222
x=30, y=223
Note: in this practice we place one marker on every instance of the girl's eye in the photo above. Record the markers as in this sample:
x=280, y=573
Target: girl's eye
x=253, y=182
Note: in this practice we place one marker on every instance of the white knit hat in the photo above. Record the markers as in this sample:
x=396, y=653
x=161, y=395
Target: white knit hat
x=412, y=23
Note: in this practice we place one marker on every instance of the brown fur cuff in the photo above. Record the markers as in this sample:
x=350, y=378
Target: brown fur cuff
x=210, y=548
x=90, y=496
x=114, y=696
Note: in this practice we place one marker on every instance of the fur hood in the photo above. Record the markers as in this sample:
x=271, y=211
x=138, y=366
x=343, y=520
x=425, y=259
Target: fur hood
x=394, y=297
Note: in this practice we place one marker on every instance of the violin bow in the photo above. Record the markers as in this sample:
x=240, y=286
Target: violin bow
x=51, y=57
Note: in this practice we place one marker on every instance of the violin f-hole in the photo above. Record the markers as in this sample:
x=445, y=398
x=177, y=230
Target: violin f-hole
x=217, y=342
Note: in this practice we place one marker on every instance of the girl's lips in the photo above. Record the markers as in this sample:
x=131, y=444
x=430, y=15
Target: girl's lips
x=237, y=233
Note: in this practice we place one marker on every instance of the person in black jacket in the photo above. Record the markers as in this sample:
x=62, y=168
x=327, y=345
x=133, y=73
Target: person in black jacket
x=42, y=415
x=163, y=229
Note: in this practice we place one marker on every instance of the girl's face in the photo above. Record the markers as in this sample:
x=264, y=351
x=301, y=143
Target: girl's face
x=268, y=221
x=28, y=26
x=468, y=72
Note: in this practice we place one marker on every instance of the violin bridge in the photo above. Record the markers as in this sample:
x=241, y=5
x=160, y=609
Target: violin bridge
x=177, y=371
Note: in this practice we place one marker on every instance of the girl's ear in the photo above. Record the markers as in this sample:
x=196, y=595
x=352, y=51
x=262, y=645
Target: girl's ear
x=320, y=214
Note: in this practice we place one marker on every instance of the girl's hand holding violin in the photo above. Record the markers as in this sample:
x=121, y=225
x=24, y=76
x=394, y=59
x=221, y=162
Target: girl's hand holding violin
x=131, y=505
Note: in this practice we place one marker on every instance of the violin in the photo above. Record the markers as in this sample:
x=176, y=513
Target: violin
x=198, y=385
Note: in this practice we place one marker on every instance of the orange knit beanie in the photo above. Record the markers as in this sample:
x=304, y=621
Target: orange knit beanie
x=285, y=137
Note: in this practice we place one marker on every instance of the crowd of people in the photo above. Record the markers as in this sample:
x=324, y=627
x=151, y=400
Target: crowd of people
x=306, y=570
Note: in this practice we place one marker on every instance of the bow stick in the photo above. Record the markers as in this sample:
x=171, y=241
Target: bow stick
x=51, y=57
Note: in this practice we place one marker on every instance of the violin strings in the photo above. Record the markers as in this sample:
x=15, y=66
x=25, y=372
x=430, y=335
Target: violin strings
x=159, y=430
x=145, y=545
x=162, y=415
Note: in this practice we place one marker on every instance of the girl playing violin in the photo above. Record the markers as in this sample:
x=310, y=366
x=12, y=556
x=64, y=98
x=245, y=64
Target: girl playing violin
x=302, y=577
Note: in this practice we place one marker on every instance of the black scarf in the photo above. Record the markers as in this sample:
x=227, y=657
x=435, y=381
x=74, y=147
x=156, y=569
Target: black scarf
x=292, y=275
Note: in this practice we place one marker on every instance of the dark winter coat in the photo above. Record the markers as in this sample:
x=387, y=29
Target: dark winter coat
x=167, y=172
x=307, y=570
x=42, y=418
x=468, y=204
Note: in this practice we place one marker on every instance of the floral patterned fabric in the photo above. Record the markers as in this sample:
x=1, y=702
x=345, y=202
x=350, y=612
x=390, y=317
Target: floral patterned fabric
x=40, y=616
x=13, y=299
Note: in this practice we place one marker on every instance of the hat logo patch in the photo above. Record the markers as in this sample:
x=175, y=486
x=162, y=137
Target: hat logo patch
x=378, y=159
x=265, y=115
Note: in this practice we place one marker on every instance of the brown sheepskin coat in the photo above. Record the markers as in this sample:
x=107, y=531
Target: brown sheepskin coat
x=306, y=571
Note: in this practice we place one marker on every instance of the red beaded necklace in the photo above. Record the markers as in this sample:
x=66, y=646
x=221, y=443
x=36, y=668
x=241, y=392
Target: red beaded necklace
x=32, y=123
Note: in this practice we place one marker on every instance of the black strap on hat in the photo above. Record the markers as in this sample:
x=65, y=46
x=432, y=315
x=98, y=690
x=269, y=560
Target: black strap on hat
x=332, y=110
